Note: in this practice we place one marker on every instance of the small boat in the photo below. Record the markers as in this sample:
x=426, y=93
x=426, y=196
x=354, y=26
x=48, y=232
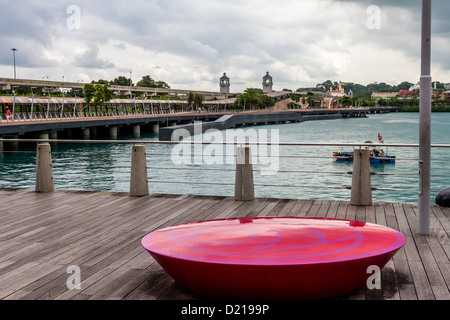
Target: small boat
x=377, y=155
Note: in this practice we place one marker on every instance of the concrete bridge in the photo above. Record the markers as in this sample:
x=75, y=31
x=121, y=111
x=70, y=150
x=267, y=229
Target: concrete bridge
x=111, y=127
x=56, y=86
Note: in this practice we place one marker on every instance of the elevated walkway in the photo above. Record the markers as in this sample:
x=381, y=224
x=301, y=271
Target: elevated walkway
x=230, y=121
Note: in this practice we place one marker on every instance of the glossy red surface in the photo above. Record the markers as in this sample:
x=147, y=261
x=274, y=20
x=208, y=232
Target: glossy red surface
x=273, y=258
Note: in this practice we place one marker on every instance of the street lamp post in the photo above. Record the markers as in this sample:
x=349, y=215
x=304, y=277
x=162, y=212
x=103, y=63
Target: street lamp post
x=14, y=104
x=32, y=103
x=14, y=57
x=131, y=83
x=425, y=122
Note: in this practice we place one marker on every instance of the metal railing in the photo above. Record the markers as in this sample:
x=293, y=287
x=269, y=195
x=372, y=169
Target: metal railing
x=54, y=115
x=68, y=173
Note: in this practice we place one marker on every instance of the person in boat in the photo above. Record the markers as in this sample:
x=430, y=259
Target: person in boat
x=374, y=153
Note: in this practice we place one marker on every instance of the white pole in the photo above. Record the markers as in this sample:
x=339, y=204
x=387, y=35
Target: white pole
x=425, y=122
x=75, y=106
x=62, y=107
x=32, y=104
x=48, y=105
x=14, y=105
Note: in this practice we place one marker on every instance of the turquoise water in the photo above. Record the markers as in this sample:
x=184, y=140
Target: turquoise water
x=302, y=172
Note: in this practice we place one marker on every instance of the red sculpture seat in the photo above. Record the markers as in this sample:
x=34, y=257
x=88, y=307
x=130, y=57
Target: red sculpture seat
x=273, y=258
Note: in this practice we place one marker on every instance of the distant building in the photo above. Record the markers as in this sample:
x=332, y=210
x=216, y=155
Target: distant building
x=340, y=92
x=415, y=87
x=224, y=84
x=267, y=83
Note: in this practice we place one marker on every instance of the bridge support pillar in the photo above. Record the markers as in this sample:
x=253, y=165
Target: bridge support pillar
x=53, y=135
x=113, y=132
x=43, y=136
x=139, y=175
x=85, y=133
x=155, y=128
x=361, y=194
x=14, y=144
x=1, y=146
x=44, y=169
x=137, y=131
x=244, y=184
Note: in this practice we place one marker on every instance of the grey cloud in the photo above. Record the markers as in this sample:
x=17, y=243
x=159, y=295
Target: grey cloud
x=90, y=59
x=27, y=26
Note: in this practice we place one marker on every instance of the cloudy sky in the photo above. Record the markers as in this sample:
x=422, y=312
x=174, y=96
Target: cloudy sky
x=191, y=43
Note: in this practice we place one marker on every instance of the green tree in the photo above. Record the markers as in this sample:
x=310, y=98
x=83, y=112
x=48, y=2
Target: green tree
x=162, y=84
x=195, y=100
x=198, y=100
x=346, y=101
x=295, y=97
x=254, y=98
x=102, y=94
x=248, y=99
x=108, y=94
x=122, y=81
x=101, y=81
x=147, y=82
x=264, y=101
x=190, y=100
x=89, y=92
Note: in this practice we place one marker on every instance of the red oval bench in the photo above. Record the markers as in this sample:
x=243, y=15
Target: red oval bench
x=273, y=258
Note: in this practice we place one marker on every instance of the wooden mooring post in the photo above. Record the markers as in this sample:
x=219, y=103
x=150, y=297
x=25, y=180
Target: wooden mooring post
x=244, y=184
x=139, y=175
x=361, y=194
x=44, y=169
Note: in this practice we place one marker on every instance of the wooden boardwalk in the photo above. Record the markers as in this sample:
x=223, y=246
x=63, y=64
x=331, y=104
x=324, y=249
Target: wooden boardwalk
x=41, y=235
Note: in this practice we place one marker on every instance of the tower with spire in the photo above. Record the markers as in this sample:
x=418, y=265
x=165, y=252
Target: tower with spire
x=225, y=84
x=267, y=83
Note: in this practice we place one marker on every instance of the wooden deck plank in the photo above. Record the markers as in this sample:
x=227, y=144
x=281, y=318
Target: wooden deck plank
x=100, y=232
x=333, y=209
x=305, y=208
x=323, y=210
x=342, y=210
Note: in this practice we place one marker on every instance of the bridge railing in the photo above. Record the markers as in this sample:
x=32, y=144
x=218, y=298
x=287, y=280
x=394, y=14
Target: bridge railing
x=75, y=161
x=58, y=115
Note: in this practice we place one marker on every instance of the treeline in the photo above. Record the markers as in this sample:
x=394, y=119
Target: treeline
x=253, y=99
x=362, y=91
x=146, y=82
